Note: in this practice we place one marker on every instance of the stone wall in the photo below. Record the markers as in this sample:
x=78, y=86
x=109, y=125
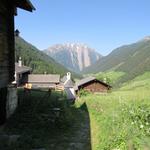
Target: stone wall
x=12, y=101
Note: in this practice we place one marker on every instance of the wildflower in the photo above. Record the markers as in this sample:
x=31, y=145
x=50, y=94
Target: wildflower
x=141, y=126
x=131, y=112
x=147, y=132
x=147, y=123
x=132, y=123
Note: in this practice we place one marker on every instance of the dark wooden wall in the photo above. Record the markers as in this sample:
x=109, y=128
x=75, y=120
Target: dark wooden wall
x=6, y=42
x=6, y=52
x=3, y=96
x=95, y=86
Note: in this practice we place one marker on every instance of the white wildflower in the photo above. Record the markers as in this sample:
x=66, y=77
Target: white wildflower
x=132, y=123
x=141, y=126
x=131, y=112
x=147, y=123
x=148, y=132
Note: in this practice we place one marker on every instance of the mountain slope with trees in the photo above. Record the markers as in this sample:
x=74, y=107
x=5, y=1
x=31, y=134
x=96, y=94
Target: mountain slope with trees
x=37, y=60
x=133, y=59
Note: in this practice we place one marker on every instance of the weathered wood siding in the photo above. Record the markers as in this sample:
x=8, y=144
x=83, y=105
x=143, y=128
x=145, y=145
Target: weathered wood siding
x=6, y=42
x=95, y=87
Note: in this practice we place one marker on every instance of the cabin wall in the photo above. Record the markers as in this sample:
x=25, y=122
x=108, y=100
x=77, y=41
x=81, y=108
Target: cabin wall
x=6, y=43
x=95, y=87
x=6, y=54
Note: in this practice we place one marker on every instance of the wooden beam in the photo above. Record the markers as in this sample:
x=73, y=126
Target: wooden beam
x=24, y=4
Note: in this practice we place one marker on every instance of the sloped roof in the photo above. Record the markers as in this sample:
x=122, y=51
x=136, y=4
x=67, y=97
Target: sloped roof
x=69, y=84
x=87, y=80
x=64, y=78
x=43, y=78
x=24, y=4
x=21, y=69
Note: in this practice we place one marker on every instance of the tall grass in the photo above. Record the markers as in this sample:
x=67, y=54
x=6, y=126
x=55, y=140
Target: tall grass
x=121, y=118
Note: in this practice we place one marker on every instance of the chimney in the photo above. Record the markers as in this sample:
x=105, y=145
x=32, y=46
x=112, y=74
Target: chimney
x=68, y=75
x=20, y=62
x=17, y=32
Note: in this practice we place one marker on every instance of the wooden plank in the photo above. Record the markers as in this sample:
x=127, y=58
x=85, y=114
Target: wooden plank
x=6, y=43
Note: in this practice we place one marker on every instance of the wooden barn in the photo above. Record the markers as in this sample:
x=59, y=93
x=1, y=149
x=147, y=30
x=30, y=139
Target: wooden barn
x=8, y=8
x=92, y=85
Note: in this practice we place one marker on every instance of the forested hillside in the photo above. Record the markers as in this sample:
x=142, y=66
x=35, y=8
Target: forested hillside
x=36, y=59
x=133, y=59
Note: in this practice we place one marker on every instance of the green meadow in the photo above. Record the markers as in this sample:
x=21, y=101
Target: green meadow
x=118, y=120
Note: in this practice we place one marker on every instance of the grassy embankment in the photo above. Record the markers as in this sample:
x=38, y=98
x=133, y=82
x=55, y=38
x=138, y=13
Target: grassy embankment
x=121, y=120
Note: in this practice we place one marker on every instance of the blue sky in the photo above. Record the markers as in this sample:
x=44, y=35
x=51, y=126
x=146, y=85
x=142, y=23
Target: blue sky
x=101, y=24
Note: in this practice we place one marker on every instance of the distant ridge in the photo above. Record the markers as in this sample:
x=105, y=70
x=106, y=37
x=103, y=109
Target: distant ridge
x=134, y=59
x=74, y=56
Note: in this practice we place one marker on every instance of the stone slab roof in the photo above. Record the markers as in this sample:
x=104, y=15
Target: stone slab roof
x=21, y=69
x=43, y=78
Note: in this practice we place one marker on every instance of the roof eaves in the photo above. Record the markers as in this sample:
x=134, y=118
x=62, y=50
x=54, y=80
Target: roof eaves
x=25, y=4
x=91, y=79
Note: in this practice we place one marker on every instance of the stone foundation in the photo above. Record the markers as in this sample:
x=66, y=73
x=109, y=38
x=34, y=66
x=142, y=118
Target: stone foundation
x=12, y=101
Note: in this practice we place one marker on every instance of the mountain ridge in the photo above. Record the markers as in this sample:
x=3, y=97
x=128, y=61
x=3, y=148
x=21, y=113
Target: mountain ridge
x=74, y=56
x=134, y=59
x=37, y=60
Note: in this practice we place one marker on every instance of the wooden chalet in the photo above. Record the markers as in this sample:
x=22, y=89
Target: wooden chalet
x=8, y=8
x=43, y=80
x=92, y=85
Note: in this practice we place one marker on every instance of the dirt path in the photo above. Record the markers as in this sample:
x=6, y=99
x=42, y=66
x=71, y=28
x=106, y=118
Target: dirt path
x=80, y=139
x=35, y=132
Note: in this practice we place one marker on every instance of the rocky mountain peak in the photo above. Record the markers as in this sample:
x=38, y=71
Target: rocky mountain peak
x=75, y=56
x=146, y=38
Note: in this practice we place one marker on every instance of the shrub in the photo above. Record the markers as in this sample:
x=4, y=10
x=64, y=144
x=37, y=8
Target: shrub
x=83, y=92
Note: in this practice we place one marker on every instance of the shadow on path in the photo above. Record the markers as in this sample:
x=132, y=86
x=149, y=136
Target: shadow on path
x=38, y=126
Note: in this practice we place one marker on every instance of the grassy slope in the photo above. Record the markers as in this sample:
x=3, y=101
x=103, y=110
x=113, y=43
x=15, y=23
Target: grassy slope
x=132, y=59
x=116, y=121
x=119, y=120
x=110, y=76
x=141, y=82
